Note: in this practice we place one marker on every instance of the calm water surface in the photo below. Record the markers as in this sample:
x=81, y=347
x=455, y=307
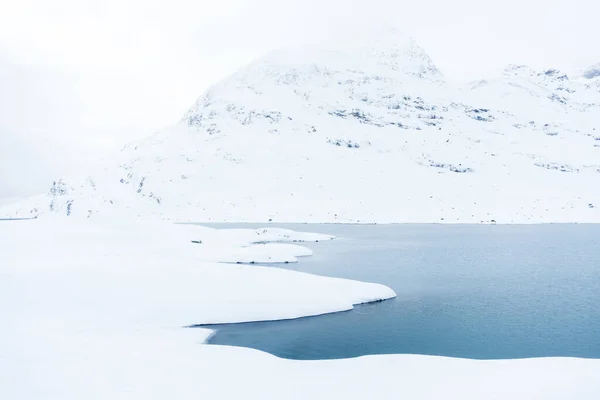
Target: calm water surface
x=473, y=291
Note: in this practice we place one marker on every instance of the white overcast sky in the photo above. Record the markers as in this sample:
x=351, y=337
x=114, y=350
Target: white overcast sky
x=78, y=79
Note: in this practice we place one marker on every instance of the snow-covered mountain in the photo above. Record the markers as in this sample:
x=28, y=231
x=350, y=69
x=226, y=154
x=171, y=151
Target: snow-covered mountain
x=368, y=131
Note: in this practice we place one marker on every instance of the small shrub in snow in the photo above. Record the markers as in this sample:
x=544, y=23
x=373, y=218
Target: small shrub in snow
x=480, y=114
x=565, y=89
x=339, y=113
x=344, y=143
x=451, y=167
x=69, y=207
x=59, y=188
x=557, y=98
x=420, y=104
x=557, y=167
x=194, y=120
x=156, y=198
x=141, y=185
x=361, y=116
x=212, y=129
x=398, y=124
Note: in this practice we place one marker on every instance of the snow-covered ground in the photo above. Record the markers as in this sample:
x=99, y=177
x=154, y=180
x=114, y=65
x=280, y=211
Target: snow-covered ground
x=96, y=311
x=363, y=131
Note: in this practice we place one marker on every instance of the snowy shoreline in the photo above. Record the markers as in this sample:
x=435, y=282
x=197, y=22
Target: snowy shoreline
x=278, y=223
x=96, y=311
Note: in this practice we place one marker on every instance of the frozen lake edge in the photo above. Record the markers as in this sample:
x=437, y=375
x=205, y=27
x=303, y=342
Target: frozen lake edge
x=108, y=317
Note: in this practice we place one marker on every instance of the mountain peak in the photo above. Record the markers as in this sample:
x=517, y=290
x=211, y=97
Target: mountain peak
x=360, y=47
x=390, y=47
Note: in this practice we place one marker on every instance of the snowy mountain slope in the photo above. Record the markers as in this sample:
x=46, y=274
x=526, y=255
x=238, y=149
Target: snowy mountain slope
x=366, y=132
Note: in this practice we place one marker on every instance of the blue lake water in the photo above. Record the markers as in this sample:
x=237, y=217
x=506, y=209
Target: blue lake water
x=472, y=291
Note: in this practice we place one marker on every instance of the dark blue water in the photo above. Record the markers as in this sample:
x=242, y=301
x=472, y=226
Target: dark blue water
x=483, y=292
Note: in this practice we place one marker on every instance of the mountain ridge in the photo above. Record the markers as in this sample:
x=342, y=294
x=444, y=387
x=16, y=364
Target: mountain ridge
x=369, y=134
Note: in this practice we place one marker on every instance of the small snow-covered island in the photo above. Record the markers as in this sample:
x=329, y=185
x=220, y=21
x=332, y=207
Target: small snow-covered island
x=103, y=276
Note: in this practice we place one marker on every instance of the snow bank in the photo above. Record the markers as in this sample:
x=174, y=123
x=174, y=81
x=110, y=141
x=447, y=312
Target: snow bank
x=265, y=245
x=168, y=364
x=158, y=266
